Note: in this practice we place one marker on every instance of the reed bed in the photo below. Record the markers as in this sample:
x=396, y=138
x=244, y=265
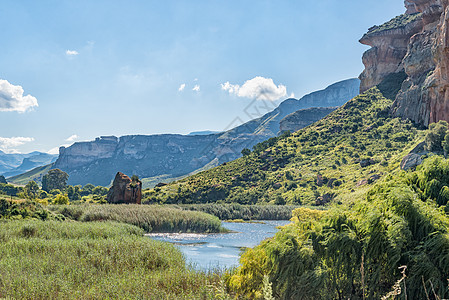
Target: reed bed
x=151, y=218
x=95, y=260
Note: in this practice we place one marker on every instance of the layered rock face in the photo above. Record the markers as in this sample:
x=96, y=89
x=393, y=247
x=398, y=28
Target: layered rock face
x=424, y=96
x=389, y=44
x=174, y=155
x=124, y=190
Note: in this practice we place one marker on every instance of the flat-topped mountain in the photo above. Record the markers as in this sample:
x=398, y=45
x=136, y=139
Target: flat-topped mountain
x=174, y=155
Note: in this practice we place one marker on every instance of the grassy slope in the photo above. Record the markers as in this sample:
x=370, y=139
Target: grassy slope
x=35, y=174
x=287, y=171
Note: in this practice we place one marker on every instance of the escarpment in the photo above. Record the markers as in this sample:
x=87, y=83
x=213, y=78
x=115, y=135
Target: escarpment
x=415, y=43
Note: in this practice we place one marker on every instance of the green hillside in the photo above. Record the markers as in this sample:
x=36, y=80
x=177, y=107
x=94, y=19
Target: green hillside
x=347, y=151
x=35, y=174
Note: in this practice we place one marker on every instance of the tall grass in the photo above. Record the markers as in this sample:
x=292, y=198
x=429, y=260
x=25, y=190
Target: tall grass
x=72, y=260
x=151, y=218
x=244, y=212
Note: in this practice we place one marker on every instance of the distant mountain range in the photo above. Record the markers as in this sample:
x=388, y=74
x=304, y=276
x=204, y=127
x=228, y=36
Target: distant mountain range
x=14, y=164
x=165, y=157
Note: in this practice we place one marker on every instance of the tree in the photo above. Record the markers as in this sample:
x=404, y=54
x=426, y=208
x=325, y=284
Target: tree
x=246, y=152
x=100, y=191
x=73, y=192
x=435, y=138
x=3, y=179
x=32, y=190
x=54, y=180
x=87, y=189
x=61, y=200
x=445, y=145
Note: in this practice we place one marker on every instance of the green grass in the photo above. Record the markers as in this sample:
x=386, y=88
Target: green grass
x=151, y=218
x=395, y=23
x=72, y=260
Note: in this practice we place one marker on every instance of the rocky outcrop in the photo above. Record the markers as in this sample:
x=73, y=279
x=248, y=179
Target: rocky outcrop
x=389, y=44
x=414, y=158
x=424, y=96
x=303, y=118
x=174, y=155
x=125, y=190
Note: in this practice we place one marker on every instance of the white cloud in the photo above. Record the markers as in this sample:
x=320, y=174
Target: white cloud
x=8, y=144
x=258, y=88
x=71, y=53
x=292, y=95
x=72, y=138
x=12, y=98
x=196, y=88
x=182, y=87
x=55, y=150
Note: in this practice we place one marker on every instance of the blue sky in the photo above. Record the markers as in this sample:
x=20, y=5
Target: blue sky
x=95, y=68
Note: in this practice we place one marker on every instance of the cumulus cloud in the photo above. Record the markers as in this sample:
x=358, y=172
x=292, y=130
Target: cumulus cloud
x=259, y=88
x=72, y=138
x=71, y=53
x=182, y=87
x=8, y=145
x=12, y=98
x=196, y=88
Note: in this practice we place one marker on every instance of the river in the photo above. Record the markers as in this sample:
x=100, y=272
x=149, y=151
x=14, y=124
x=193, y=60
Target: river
x=221, y=250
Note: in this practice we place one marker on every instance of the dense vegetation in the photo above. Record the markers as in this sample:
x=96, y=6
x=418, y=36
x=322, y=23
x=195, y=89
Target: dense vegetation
x=72, y=260
x=244, y=212
x=394, y=234
x=55, y=190
x=351, y=148
x=151, y=218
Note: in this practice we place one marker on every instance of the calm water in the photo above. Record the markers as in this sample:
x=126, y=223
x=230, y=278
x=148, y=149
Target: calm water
x=207, y=251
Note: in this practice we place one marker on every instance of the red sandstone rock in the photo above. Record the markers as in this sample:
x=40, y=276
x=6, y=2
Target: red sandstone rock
x=124, y=190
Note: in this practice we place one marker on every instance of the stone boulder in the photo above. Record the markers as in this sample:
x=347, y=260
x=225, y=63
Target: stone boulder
x=125, y=190
x=411, y=161
x=414, y=158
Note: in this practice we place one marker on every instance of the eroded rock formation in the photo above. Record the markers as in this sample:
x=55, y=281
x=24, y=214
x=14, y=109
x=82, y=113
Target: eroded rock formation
x=125, y=190
x=424, y=30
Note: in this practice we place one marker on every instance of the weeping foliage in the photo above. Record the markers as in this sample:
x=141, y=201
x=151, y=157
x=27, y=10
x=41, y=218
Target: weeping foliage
x=355, y=251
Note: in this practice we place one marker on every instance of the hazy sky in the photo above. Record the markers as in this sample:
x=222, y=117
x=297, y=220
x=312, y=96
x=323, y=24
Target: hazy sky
x=103, y=67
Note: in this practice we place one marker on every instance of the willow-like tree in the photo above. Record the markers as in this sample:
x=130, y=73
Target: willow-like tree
x=54, y=180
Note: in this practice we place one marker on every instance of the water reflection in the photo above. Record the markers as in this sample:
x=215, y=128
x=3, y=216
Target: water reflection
x=207, y=251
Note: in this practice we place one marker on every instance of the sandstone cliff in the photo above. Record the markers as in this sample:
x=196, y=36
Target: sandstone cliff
x=418, y=46
x=173, y=155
